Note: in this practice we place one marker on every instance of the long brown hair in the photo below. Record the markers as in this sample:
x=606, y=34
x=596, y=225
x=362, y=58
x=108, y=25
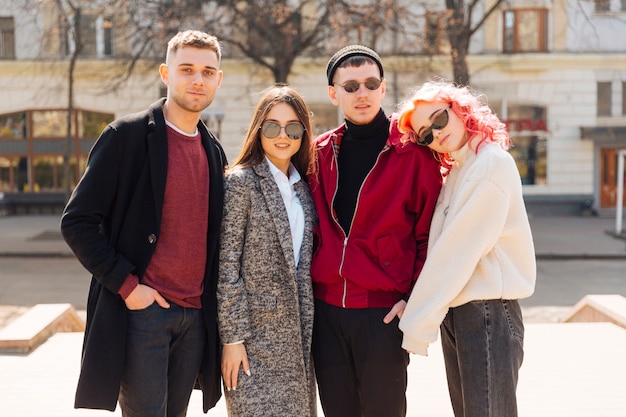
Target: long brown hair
x=252, y=152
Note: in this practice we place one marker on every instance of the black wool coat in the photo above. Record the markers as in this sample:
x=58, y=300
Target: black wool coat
x=111, y=223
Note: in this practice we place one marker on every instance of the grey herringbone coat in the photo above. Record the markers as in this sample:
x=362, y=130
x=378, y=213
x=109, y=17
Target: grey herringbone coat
x=264, y=299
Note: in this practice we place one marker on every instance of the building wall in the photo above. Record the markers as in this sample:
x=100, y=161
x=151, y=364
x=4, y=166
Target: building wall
x=559, y=83
x=563, y=81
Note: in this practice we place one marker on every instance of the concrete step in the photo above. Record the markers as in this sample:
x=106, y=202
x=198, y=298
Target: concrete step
x=599, y=308
x=36, y=325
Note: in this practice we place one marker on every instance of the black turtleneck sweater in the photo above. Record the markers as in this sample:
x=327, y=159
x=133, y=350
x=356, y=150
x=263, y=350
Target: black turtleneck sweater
x=358, y=151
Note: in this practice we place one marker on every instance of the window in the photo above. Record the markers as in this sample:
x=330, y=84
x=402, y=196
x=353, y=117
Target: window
x=435, y=33
x=623, y=98
x=107, y=36
x=49, y=123
x=87, y=28
x=604, y=98
x=7, y=173
x=529, y=153
x=96, y=36
x=602, y=6
x=7, y=38
x=525, y=30
x=527, y=126
x=13, y=126
x=33, y=158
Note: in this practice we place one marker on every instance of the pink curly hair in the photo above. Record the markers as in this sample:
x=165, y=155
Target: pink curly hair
x=481, y=123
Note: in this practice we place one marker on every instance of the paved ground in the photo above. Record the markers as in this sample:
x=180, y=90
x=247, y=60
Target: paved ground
x=573, y=370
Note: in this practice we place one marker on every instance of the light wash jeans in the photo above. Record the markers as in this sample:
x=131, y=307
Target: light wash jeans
x=483, y=350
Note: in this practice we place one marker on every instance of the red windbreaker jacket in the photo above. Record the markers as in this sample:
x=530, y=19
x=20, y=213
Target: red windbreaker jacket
x=379, y=260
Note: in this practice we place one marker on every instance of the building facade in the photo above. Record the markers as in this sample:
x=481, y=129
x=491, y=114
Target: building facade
x=555, y=71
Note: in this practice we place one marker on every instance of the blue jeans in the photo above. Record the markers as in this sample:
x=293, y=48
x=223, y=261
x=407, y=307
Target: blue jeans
x=482, y=345
x=163, y=355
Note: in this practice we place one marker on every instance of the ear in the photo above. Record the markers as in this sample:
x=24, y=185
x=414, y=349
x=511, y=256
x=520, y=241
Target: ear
x=332, y=94
x=164, y=71
x=383, y=88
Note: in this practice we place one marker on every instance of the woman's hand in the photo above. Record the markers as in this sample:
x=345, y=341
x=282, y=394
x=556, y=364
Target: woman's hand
x=234, y=356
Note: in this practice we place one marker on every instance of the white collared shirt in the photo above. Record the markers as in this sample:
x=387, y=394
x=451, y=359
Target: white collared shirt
x=295, y=212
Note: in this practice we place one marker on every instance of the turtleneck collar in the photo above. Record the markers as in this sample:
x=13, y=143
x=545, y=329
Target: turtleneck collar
x=377, y=127
x=463, y=154
x=468, y=151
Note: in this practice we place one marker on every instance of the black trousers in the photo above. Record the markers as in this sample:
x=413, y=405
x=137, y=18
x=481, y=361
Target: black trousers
x=360, y=365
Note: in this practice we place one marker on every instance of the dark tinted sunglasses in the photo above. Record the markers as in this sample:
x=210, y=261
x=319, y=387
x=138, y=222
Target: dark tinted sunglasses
x=440, y=122
x=293, y=130
x=352, y=86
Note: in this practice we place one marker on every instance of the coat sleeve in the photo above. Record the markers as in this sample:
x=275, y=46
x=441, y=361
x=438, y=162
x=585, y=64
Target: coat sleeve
x=473, y=225
x=88, y=206
x=232, y=303
x=425, y=195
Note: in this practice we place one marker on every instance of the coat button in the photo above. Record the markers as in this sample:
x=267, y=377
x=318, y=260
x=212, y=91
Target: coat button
x=152, y=238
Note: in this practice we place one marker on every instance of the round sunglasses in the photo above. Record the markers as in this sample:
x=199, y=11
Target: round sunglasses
x=440, y=122
x=293, y=130
x=353, y=86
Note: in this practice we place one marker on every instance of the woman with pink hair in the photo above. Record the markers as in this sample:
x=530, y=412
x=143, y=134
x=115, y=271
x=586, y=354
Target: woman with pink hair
x=481, y=256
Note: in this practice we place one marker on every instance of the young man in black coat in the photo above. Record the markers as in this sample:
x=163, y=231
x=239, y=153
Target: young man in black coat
x=144, y=220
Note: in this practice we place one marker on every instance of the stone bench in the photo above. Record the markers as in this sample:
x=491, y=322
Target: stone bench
x=599, y=308
x=36, y=325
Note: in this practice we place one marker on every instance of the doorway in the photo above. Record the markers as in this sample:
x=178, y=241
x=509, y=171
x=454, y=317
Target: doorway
x=608, y=178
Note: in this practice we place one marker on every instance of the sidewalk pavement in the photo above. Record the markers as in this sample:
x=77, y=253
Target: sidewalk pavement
x=570, y=369
x=558, y=237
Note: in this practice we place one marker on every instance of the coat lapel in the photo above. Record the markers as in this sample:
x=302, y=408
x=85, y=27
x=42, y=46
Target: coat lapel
x=157, y=154
x=278, y=212
x=310, y=216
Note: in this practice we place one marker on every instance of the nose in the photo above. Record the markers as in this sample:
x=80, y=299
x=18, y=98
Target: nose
x=197, y=79
x=362, y=89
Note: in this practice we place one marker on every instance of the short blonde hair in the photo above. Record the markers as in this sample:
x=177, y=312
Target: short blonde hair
x=194, y=39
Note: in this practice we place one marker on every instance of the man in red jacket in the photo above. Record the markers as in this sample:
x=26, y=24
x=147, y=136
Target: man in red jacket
x=375, y=194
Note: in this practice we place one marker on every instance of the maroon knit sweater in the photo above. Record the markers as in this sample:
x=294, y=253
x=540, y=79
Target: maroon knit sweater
x=176, y=269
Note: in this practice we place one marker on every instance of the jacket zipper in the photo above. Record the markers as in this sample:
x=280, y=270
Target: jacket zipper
x=345, y=240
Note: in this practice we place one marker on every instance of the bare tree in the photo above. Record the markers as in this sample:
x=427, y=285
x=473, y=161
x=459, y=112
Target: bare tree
x=460, y=31
x=75, y=11
x=272, y=33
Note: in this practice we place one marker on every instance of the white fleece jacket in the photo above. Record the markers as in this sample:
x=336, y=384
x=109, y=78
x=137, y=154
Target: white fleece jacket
x=480, y=245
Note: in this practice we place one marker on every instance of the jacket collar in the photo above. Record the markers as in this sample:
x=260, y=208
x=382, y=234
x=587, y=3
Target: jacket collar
x=396, y=139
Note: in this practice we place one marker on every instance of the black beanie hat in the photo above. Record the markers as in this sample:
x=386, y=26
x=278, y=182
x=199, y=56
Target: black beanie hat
x=348, y=52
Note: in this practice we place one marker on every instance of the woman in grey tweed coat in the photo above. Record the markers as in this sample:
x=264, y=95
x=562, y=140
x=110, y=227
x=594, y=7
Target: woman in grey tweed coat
x=265, y=299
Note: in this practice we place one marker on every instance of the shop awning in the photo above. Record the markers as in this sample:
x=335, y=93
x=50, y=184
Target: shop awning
x=604, y=134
